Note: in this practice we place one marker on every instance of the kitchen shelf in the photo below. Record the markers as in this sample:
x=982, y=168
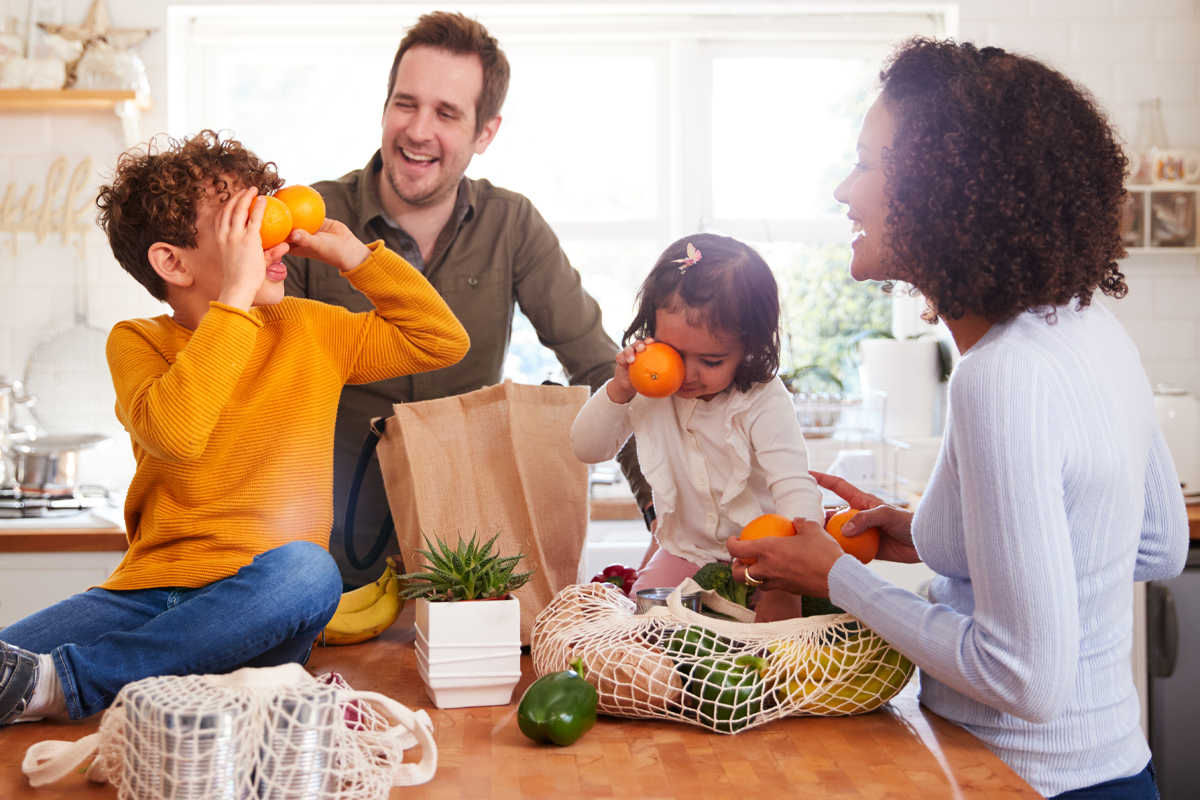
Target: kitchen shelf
x=69, y=100
x=127, y=104
x=1162, y=219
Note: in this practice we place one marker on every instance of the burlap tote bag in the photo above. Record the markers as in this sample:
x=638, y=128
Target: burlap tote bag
x=498, y=459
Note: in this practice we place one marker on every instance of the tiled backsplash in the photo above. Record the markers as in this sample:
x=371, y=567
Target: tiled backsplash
x=1125, y=51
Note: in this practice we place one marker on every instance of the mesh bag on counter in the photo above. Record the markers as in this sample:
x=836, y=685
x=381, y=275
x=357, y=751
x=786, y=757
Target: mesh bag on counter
x=275, y=732
x=673, y=663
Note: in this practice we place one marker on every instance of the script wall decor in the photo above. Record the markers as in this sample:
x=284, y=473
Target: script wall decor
x=58, y=214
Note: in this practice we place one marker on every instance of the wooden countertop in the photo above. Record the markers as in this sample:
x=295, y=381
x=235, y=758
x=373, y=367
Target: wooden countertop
x=899, y=751
x=1194, y=520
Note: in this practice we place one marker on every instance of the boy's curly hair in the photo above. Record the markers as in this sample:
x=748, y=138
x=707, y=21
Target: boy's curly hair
x=730, y=289
x=154, y=196
x=1006, y=183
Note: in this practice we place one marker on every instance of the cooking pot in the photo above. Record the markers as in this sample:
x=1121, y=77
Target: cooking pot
x=47, y=465
x=1178, y=415
x=11, y=396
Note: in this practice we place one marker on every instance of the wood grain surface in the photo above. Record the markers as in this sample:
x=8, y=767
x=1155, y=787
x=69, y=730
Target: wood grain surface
x=900, y=751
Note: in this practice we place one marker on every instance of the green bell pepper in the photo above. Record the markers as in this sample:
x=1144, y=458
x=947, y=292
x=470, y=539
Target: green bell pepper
x=558, y=707
x=727, y=694
x=695, y=642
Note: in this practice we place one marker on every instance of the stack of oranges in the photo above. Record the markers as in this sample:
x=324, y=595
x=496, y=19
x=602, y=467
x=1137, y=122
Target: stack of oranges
x=290, y=208
x=864, y=546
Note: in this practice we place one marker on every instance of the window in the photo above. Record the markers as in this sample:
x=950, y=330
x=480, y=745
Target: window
x=628, y=127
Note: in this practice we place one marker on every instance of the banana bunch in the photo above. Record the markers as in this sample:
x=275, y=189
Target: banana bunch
x=368, y=611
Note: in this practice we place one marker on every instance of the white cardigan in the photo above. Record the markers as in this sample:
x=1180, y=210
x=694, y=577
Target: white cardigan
x=714, y=465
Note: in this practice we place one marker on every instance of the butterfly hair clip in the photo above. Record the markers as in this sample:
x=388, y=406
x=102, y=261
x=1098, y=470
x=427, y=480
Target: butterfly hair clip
x=693, y=255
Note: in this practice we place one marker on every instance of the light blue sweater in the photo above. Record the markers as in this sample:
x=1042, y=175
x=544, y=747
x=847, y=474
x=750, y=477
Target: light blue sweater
x=1054, y=491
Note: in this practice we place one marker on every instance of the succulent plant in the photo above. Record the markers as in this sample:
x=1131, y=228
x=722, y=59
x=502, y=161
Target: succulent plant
x=469, y=572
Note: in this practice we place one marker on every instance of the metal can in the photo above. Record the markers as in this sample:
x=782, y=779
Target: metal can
x=183, y=755
x=648, y=598
x=296, y=757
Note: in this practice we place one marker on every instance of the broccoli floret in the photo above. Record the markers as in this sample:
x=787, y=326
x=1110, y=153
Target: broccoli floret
x=718, y=577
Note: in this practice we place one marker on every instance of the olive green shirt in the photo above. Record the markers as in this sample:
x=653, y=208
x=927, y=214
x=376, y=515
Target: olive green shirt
x=496, y=252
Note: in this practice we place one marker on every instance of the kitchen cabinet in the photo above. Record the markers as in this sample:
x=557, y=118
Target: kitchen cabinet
x=41, y=564
x=1174, y=651
x=1162, y=219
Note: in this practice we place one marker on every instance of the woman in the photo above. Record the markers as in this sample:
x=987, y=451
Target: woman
x=994, y=186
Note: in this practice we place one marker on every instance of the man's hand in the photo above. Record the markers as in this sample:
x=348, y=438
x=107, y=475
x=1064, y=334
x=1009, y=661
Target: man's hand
x=620, y=389
x=798, y=564
x=894, y=524
x=333, y=243
x=243, y=262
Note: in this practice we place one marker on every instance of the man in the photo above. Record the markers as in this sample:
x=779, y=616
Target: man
x=483, y=248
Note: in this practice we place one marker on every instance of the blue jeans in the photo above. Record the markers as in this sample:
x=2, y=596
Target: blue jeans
x=1135, y=787
x=269, y=613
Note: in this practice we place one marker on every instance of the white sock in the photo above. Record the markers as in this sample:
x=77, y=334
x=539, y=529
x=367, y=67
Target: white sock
x=48, y=699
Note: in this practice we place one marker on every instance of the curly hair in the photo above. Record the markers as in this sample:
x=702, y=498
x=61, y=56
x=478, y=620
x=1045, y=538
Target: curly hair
x=1006, y=183
x=731, y=289
x=155, y=194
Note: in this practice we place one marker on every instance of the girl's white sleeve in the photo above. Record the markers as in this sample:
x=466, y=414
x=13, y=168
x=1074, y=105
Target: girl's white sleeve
x=778, y=445
x=601, y=428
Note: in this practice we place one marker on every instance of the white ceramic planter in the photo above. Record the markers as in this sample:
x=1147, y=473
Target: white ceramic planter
x=907, y=369
x=469, y=652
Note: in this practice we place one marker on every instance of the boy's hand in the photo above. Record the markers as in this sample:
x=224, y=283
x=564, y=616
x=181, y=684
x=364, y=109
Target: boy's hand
x=620, y=389
x=333, y=243
x=243, y=262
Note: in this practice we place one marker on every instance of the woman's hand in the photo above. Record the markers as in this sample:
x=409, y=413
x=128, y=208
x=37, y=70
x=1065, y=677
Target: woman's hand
x=894, y=524
x=333, y=243
x=620, y=388
x=798, y=564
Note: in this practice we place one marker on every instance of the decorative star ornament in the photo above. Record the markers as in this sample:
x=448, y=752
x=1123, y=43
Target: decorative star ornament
x=97, y=30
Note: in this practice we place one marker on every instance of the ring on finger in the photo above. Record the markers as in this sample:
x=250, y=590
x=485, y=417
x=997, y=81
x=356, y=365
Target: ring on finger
x=751, y=581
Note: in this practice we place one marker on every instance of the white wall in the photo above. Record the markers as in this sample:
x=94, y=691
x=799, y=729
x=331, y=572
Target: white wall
x=1126, y=51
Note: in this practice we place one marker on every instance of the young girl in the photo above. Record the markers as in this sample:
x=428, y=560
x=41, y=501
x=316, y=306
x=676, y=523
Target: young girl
x=726, y=447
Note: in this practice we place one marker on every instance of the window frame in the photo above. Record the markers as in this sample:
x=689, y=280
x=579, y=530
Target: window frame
x=686, y=37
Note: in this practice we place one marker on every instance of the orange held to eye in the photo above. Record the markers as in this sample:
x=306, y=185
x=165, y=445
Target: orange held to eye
x=764, y=526
x=657, y=371
x=306, y=204
x=864, y=546
x=276, y=223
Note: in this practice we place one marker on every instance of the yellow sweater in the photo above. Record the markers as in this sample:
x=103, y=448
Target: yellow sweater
x=232, y=424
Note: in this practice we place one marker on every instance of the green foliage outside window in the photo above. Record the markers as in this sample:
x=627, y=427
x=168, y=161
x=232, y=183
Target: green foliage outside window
x=822, y=308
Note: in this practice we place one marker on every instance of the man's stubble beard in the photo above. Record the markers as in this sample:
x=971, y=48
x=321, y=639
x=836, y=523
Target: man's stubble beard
x=435, y=195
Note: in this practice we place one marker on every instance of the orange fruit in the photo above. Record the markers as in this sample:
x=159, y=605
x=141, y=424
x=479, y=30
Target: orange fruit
x=307, y=207
x=276, y=223
x=657, y=371
x=764, y=526
x=864, y=546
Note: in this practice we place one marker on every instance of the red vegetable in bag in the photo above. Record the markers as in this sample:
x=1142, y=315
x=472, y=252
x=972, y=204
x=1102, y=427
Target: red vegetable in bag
x=619, y=576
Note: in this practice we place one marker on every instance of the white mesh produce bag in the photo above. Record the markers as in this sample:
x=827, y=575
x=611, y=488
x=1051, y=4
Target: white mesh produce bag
x=673, y=663
x=274, y=732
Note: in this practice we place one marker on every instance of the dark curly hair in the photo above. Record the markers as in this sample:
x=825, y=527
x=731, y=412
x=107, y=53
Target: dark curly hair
x=154, y=196
x=730, y=289
x=1006, y=183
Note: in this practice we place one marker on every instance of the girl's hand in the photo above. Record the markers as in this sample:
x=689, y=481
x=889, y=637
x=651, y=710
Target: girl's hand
x=798, y=564
x=894, y=524
x=243, y=261
x=620, y=389
x=333, y=243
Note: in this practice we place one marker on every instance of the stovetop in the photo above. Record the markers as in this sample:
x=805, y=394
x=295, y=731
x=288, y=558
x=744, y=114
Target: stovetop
x=15, y=504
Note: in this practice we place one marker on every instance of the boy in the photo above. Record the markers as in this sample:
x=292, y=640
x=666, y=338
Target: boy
x=230, y=403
